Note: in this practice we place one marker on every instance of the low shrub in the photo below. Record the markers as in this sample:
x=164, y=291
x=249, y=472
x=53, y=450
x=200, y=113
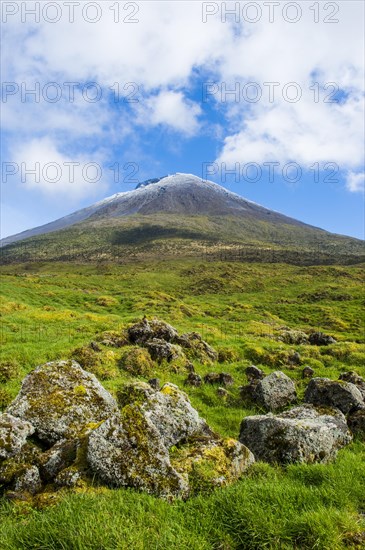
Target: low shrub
x=8, y=371
x=227, y=355
x=137, y=361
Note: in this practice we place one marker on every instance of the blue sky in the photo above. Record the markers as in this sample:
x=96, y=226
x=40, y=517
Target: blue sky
x=203, y=97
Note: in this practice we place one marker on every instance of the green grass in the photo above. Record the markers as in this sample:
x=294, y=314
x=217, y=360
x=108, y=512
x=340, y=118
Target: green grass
x=49, y=310
x=304, y=507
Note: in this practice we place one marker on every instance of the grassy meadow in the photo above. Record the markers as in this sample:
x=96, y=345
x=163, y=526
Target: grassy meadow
x=51, y=310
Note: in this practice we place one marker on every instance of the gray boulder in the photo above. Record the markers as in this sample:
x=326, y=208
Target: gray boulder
x=29, y=481
x=160, y=445
x=145, y=330
x=131, y=453
x=273, y=392
x=160, y=350
x=169, y=410
x=302, y=434
x=13, y=435
x=355, y=379
x=325, y=392
x=61, y=400
x=58, y=458
x=171, y=413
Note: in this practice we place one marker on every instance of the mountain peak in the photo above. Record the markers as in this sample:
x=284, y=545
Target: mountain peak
x=180, y=194
x=177, y=178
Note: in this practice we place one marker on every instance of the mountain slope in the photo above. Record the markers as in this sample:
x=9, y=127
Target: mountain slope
x=177, y=215
x=180, y=193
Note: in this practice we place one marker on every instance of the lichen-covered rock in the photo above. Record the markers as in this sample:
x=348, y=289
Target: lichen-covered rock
x=355, y=379
x=134, y=449
x=320, y=339
x=13, y=435
x=61, y=400
x=164, y=342
x=79, y=433
x=293, y=337
x=130, y=452
x=69, y=477
x=208, y=463
x=356, y=423
x=169, y=410
x=302, y=434
x=59, y=457
x=134, y=392
x=172, y=414
x=160, y=350
x=325, y=392
x=114, y=339
x=273, y=392
x=16, y=465
x=29, y=481
x=145, y=330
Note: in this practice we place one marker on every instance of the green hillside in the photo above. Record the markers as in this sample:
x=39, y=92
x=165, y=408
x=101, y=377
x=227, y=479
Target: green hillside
x=54, y=310
x=167, y=235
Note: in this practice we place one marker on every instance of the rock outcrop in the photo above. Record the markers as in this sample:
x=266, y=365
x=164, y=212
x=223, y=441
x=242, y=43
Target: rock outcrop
x=13, y=435
x=61, y=400
x=273, y=392
x=163, y=342
x=303, y=434
x=330, y=393
x=131, y=453
x=355, y=379
x=65, y=430
x=160, y=350
x=145, y=330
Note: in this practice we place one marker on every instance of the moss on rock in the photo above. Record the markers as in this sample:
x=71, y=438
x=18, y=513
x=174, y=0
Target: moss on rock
x=60, y=399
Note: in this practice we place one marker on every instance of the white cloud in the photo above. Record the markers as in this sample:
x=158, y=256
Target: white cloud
x=43, y=167
x=306, y=131
x=171, y=109
x=163, y=51
x=355, y=182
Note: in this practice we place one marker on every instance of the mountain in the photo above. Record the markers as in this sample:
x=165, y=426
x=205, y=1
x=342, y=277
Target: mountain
x=179, y=214
x=180, y=194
